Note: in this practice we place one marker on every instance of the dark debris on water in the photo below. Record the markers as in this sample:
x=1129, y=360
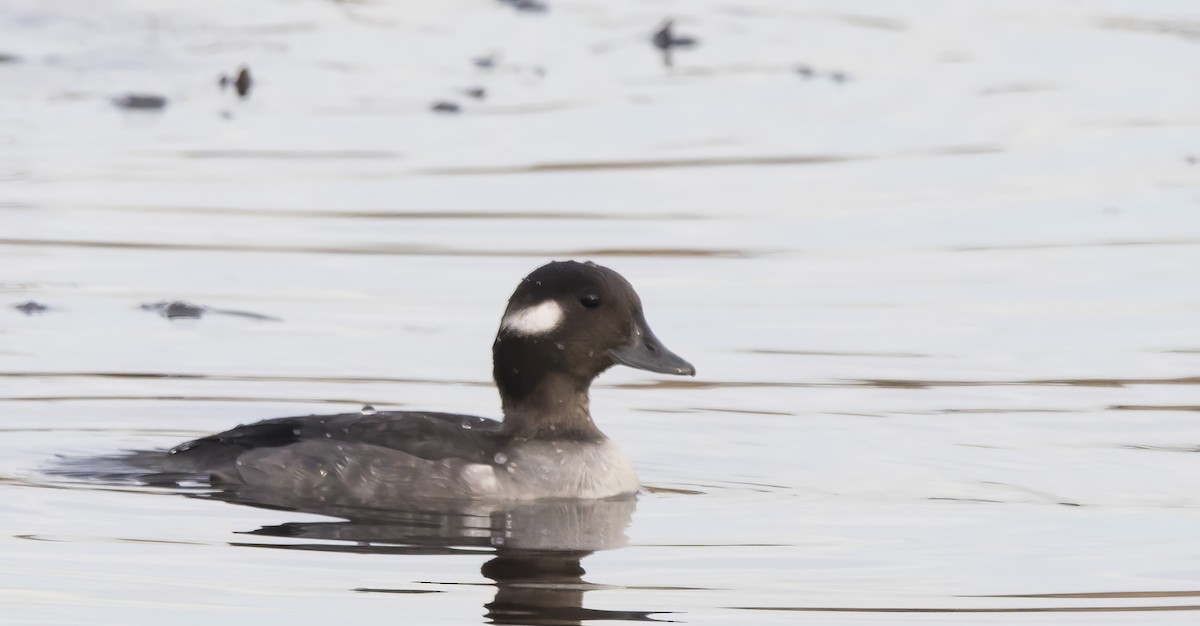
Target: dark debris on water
x=141, y=102
x=485, y=62
x=31, y=308
x=182, y=310
x=527, y=6
x=241, y=82
x=808, y=72
x=666, y=41
x=445, y=106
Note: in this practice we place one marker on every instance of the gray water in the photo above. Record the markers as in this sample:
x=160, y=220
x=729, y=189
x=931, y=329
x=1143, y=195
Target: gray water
x=940, y=288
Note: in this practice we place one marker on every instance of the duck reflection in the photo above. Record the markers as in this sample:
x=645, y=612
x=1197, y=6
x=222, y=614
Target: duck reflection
x=538, y=545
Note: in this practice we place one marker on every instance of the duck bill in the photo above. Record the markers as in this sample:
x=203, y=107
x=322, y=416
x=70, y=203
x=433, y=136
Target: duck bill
x=646, y=352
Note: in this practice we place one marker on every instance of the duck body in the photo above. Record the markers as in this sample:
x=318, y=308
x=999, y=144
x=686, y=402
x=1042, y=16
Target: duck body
x=355, y=459
x=565, y=324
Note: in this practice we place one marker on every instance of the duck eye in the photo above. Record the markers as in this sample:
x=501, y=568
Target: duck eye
x=590, y=300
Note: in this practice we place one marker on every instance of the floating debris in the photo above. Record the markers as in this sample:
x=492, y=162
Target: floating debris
x=9, y=58
x=31, y=308
x=141, y=102
x=182, y=310
x=479, y=93
x=486, y=62
x=808, y=72
x=527, y=6
x=176, y=309
x=241, y=83
x=666, y=41
x=444, y=106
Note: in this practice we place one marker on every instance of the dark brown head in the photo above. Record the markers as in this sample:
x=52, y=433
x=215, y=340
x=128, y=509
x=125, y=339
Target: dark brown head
x=574, y=320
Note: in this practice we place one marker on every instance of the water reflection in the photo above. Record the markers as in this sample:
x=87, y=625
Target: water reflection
x=544, y=588
x=538, y=546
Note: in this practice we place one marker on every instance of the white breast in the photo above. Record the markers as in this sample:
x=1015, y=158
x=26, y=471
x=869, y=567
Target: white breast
x=566, y=469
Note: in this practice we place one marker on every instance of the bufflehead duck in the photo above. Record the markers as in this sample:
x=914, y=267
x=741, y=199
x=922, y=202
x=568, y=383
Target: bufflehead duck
x=565, y=324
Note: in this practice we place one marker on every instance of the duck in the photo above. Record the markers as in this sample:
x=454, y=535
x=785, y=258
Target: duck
x=565, y=324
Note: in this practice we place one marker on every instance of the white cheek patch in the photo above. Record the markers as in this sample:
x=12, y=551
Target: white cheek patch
x=535, y=320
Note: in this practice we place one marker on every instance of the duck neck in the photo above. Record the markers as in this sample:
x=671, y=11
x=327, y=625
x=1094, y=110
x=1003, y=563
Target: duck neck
x=553, y=407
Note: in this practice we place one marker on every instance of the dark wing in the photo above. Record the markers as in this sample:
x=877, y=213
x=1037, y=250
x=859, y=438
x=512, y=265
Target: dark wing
x=430, y=436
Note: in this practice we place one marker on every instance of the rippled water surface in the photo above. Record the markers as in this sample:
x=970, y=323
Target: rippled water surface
x=936, y=264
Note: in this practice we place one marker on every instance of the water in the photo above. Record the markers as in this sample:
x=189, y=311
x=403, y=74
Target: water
x=934, y=263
